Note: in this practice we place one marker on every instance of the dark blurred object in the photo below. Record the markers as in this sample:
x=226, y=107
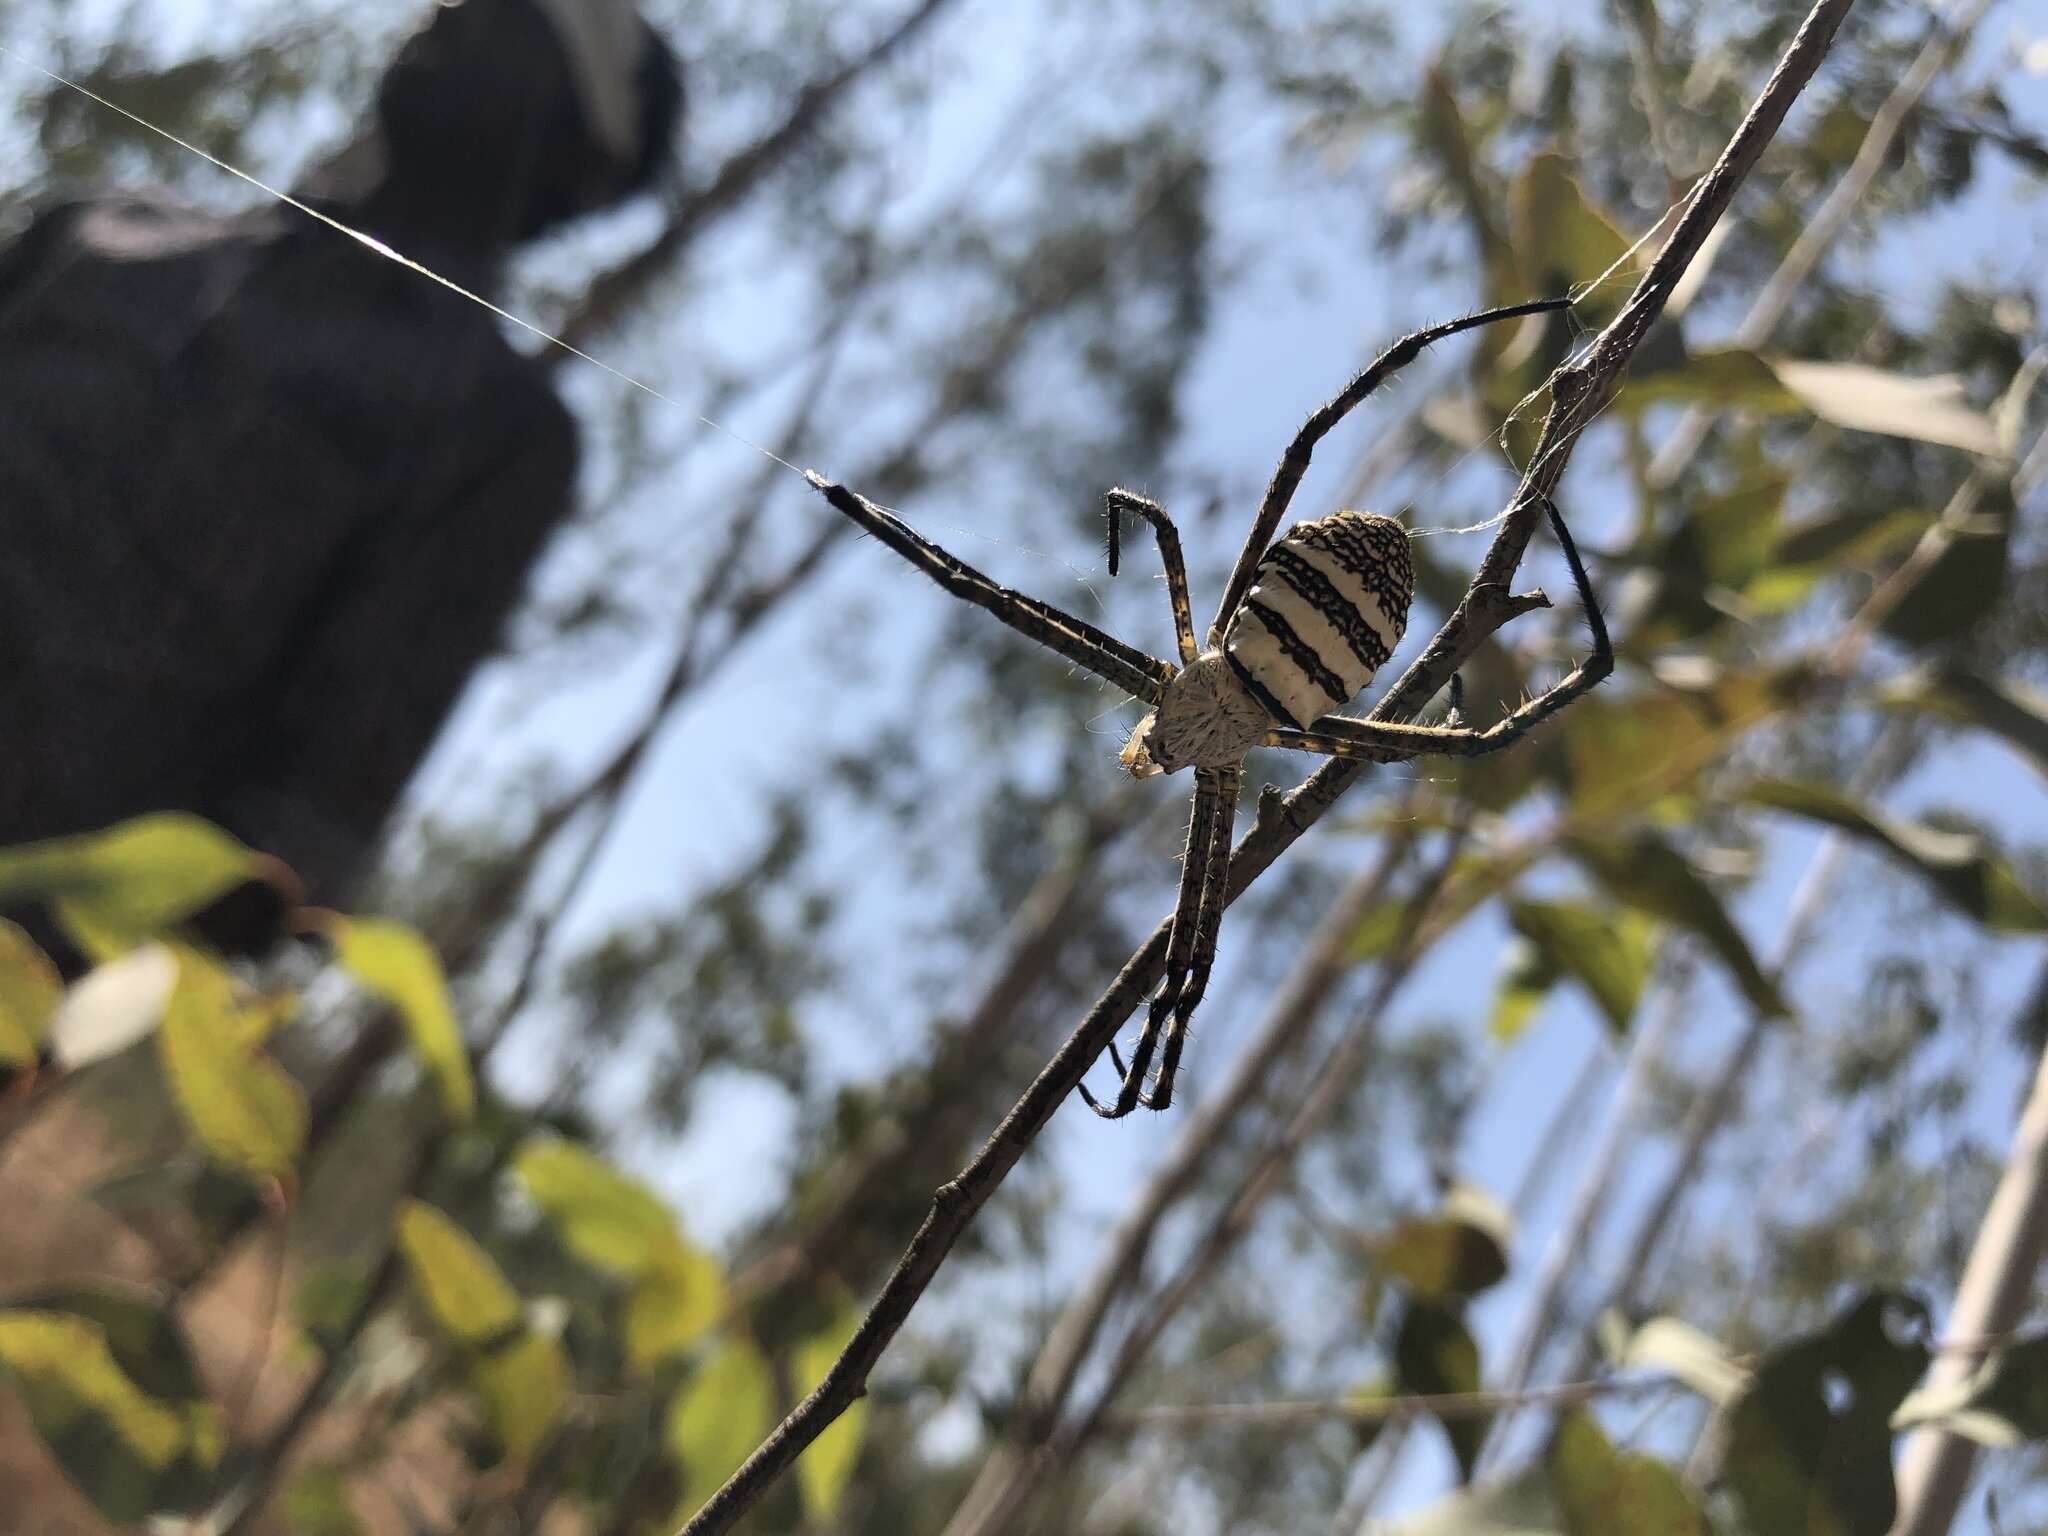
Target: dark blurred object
x=269, y=498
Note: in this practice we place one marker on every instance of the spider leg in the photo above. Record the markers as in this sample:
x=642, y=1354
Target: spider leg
x=1142, y=676
x=1208, y=926
x=1294, y=463
x=1378, y=741
x=1180, y=947
x=1119, y=501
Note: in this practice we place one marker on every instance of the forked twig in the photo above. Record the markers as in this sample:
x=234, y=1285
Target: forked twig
x=1578, y=392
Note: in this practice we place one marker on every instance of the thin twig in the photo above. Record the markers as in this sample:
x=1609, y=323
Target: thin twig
x=615, y=291
x=1293, y=1412
x=1578, y=393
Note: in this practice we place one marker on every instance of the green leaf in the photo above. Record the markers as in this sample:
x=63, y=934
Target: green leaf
x=1608, y=953
x=1604, y=1492
x=1865, y=399
x=1826, y=546
x=1962, y=583
x=716, y=1419
x=245, y=1109
x=30, y=991
x=520, y=1372
x=1435, y=1354
x=1561, y=239
x=674, y=1302
x=1725, y=378
x=1458, y=1250
x=524, y=1383
x=317, y=1504
x=394, y=963
x=1957, y=864
x=1517, y=1505
x=1644, y=871
x=131, y=882
x=1850, y=395
x=2009, y=709
x=1679, y=1350
x=824, y=1470
x=111, y=1389
x=114, y=1005
x=1446, y=140
x=1527, y=975
x=464, y=1290
x=607, y=1219
x=1624, y=748
x=1809, y=1440
x=2002, y=1403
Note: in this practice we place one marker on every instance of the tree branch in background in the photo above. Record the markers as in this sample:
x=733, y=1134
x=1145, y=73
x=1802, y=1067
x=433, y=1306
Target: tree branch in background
x=615, y=292
x=1991, y=1300
x=1578, y=393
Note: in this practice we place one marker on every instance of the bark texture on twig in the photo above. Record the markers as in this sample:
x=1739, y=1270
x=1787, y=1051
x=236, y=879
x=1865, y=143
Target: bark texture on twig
x=1578, y=393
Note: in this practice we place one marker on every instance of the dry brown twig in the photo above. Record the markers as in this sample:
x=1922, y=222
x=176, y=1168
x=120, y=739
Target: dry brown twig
x=1579, y=391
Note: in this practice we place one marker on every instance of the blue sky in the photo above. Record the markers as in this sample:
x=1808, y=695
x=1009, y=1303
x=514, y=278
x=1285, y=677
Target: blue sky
x=1292, y=329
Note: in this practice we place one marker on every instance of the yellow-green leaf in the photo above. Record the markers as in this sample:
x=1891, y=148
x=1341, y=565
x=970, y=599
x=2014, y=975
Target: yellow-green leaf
x=1561, y=239
x=524, y=1384
x=604, y=1217
x=1435, y=1355
x=114, y=1005
x=1459, y=1249
x=135, y=1452
x=1959, y=865
x=673, y=1303
x=394, y=963
x=824, y=1470
x=464, y=1290
x=244, y=1108
x=717, y=1417
x=1606, y=952
x=131, y=882
x=1604, y=1492
x=30, y=991
x=1526, y=977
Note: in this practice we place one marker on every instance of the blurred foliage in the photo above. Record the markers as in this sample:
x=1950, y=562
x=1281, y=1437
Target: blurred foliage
x=480, y=1228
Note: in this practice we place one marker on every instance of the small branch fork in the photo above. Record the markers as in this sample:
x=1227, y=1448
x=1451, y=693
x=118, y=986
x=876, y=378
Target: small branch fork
x=1578, y=393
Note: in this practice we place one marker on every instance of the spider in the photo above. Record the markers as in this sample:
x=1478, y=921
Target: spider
x=1304, y=624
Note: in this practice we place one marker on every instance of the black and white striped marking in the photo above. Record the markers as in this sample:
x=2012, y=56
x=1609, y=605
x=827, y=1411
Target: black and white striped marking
x=1327, y=606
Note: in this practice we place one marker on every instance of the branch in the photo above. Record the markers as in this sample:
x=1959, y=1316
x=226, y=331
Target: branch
x=1823, y=227
x=1991, y=1300
x=1578, y=392
x=612, y=293
x=1288, y=1413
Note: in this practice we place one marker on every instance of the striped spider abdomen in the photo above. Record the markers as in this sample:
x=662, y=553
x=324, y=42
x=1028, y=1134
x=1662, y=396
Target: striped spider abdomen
x=1327, y=605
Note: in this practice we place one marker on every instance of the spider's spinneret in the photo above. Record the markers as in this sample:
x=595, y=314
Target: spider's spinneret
x=1326, y=608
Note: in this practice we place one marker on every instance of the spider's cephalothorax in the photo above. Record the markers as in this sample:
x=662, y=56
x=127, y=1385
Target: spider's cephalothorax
x=1304, y=625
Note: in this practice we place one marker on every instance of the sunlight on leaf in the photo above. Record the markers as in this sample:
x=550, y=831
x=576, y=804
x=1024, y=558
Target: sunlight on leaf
x=245, y=1109
x=132, y=882
x=824, y=1470
x=1460, y=1249
x=1679, y=1350
x=674, y=1302
x=394, y=963
x=463, y=1288
x=604, y=1217
x=720, y=1414
x=1601, y=1491
x=524, y=1383
x=1606, y=952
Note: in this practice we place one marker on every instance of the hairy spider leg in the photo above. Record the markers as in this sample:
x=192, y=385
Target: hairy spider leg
x=1180, y=949
x=1118, y=501
x=1208, y=928
x=1294, y=463
x=1384, y=742
x=1142, y=676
